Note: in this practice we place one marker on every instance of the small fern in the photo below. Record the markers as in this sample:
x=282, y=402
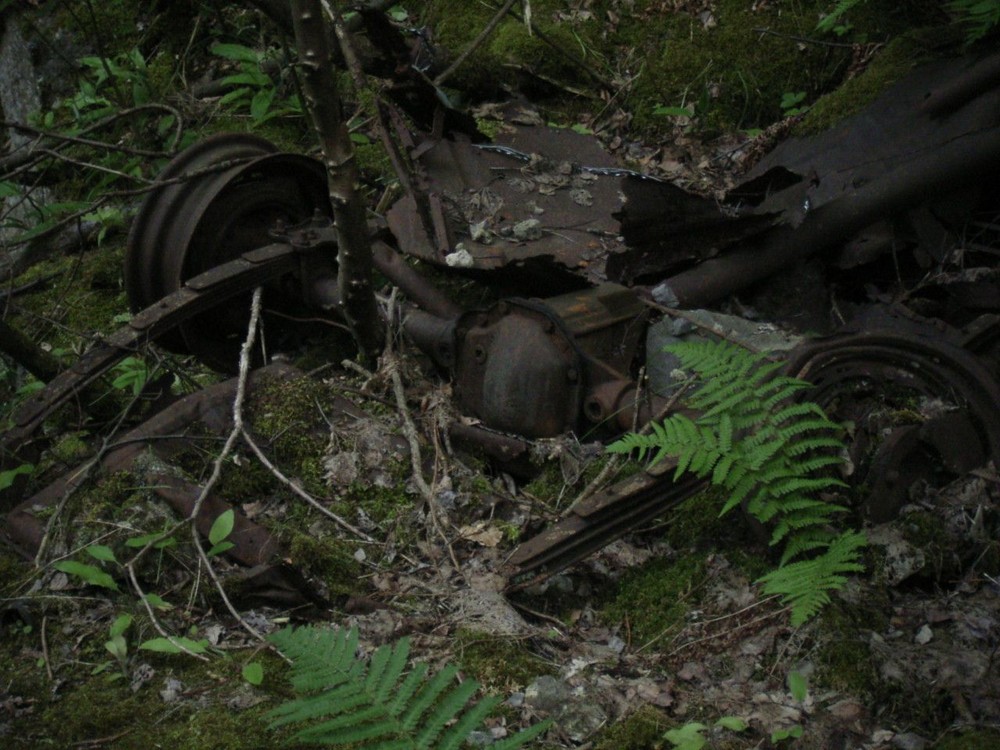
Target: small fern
x=769, y=452
x=344, y=700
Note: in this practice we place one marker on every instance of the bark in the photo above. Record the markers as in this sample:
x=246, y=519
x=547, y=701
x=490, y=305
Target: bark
x=354, y=255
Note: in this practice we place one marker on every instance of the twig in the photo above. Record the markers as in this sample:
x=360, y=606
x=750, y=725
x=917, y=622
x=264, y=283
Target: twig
x=714, y=636
x=391, y=362
x=45, y=649
x=104, y=145
x=301, y=492
x=565, y=53
x=96, y=742
x=130, y=568
x=802, y=39
x=482, y=37
x=237, y=431
x=89, y=165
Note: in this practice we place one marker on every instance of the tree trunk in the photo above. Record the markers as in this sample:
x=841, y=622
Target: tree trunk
x=354, y=245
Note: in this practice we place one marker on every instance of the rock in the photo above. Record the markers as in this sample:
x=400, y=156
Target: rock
x=924, y=635
x=547, y=694
x=529, y=229
x=461, y=258
x=172, y=689
x=581, y=719
x=910, y=741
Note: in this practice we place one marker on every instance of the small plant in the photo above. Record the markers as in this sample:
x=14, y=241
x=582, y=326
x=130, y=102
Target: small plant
x=832, y=21
x=979, y=17
x=116, y=645
x=768, y=451
x=790, y=102
x=691, y=737
x=94, y=575
x=131, y=374
x=344, y=700
x=218, y=535
x=253, y=88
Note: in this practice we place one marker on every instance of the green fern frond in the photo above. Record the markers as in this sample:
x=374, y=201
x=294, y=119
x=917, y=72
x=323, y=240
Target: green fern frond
x=768, y=448
x=344, y=700
x=805, y=585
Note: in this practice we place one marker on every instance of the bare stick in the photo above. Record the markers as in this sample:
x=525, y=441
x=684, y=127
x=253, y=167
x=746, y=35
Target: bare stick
x=391, y=362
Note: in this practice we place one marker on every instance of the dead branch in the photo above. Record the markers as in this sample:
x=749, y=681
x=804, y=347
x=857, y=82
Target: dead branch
x=354, y=277
x=237, y=431
x=28, y=155
x=390, y=363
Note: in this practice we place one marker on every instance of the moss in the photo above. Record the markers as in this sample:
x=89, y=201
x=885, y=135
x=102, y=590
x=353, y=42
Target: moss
x=89, y=298
x=70, y=448
x=381, y=504
x=287, y=416
x=654, y=598
x=970, y=739
x=892, y=63
x=844, y=660
x=502, y=665
x=329, y=559
x=511, y=50
x=642, y=730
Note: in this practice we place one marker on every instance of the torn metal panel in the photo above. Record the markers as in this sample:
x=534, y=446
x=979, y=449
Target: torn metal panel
x=535, y=193
x=894, y=131
x=667, y=228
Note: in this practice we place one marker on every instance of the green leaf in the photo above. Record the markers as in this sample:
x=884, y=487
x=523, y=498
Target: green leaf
x=7, y=477
x=88, y=573
x=142, y=541
x=797, y=686
x=237, y=52
x=253, y=672
x=673, y=111
x=157, y=602
x=784, y=734
x=173, y=646
x=222, y=527
x=732, y=723
x=120, y=625
x=219, y=548
x=687, y=737
x=101, y=552
x=117, y=647
x=261, y=103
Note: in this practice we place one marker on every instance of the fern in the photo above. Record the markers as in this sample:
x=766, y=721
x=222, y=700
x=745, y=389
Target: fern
x=345, y=701
x=769, y=452
x=979, y=17
x=805, y=585
x=829, y=21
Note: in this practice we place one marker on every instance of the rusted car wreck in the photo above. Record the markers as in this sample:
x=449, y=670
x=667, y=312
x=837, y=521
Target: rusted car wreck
x=898, y=206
